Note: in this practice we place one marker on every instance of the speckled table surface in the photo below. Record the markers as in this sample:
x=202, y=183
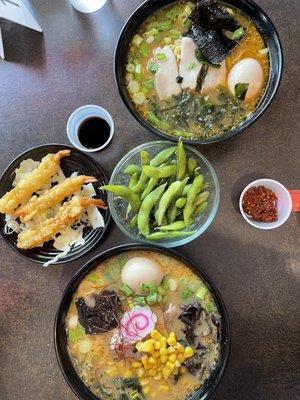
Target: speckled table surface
x=44, y=78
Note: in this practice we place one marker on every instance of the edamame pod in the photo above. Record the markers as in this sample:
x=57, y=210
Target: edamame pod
x=200, y=209
x=169, y=235
x=132, y=182
x=176, y=226
x=145, y=157
x=192, y=165
x=166, y=200
x=152, y=183
x=132, y=169
x=133, y=222
x=126, y=194
x=171, y=213
x=159, y=172
x=162, y=156
x=186, y=189
x=180, y=203
x=181, y=161
x=146, y=207
x=201, y=198
x=190, y=199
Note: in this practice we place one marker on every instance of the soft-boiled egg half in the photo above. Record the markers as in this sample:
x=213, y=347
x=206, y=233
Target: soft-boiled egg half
x=249, y=71
x=140, y=270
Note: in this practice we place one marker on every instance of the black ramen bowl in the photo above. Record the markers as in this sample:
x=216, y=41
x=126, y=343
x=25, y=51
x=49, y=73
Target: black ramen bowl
x=60, y=337
x=248, y=7
x=76, y=162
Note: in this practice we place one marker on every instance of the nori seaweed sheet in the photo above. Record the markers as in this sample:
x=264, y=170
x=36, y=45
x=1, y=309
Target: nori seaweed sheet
x=209, y=21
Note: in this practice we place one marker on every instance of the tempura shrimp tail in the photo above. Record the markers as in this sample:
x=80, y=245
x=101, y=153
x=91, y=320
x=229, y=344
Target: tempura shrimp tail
x=32, y=182
x=70, y=212
x=94, y=202
x=52, y=197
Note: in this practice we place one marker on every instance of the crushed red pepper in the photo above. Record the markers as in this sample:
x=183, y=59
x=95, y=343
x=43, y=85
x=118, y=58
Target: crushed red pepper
x=261, y=204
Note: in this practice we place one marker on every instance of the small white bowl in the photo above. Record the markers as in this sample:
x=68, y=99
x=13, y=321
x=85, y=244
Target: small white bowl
x=284, y=203
x=80, y=115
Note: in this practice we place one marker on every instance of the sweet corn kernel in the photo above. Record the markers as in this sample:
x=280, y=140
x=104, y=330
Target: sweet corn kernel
x=175, y=371
x=128, y=374
x=163, y=341
x=163, y=359
x=140, y=372
x=153, y=395
x=145, y=359
x=136, y=364
x=182, y=370
x=138, y=346
x=171, y=350
x=169, y=365
x=158, y=377
x=188, y=352
x=144, y=381
x=177, y=363
x=152, y=372
x=172, y=334
x=163, y=351
x=155, y=334
x=157, y=345
x=152, y=360
x=164, y=388
x=166, y=372
x=111, y=372
x=172, y=341
x=173, y=358
x=180, y=348
x=155, y=354
x=181, y=358
x=147, y=346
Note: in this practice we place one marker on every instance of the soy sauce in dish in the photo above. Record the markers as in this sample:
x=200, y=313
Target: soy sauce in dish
x=93, y=132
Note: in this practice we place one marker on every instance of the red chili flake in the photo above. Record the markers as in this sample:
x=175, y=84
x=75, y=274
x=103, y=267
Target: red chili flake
x=261, y=204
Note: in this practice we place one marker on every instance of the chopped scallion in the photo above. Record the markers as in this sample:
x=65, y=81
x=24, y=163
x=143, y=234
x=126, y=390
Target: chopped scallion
x=127, y=290
x=161, y=56
x=238, y=33
x=137, y=40
x=191, y=65
x=149, y=84
x=185, y=294
x=152, y=66
x=152, y=298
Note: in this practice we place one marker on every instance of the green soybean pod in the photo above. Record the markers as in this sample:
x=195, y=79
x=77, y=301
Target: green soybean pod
x=146, y=207
x=162, y=156
x=159, y=172
x=126, y=194
x=145, y=157
x=186, y=189
x=201, y=198
x=132, y=169
x=181, y=161
x=132, y=182
x=175, y=226
x=180, y=203
x=171, y=213
x=169, y=235
x=152, y=183
x=190, y=199
x=166, y=200
x=199, y=209
x=133, y=222
x=192, y=165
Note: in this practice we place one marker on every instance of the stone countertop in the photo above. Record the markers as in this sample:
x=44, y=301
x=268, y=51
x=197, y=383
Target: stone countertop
x=46, y=77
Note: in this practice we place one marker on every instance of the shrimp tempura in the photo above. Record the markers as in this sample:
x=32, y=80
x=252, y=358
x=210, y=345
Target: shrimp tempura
x=68, y=213
x=32, y=182
x=51, y=197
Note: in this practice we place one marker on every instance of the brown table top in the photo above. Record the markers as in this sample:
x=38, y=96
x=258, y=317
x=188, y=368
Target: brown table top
x=43, y=80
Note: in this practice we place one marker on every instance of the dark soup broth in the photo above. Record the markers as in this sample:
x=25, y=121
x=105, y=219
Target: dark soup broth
x=192, y=84
x=143, y=325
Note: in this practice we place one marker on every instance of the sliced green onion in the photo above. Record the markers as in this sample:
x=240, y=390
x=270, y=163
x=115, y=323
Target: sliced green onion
x=130, y=67
x=191, y=65
x=238, y=33
x=129, y=78
x=139, y=98
x=185, y=294
x=149, y=84
x=230, y=11
x=201, y=293
x=152, y=298
x=151, y=32
x=263, y=52
x=138, y=69
x=161, y=56
x=140, y=300
x=153, y=119
x=76, y=334
x=127, y=290
x=137, y=40
x=92, y=278
x=174, y=34
x=133, y=86
x=150, y=39
x=144, y=49
x=164, y=25
x=152, y=66
x=167, y=40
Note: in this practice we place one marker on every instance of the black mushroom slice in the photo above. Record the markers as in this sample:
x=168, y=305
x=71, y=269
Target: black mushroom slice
x=216, y=320
x=211, y=29
x=103, y=315
x=189, y=316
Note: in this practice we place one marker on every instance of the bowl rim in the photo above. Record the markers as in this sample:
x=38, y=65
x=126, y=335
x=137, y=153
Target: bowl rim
x=207, y=389
x=227, y=135
x=258, y=224
x=177, y=241
x=84, y=251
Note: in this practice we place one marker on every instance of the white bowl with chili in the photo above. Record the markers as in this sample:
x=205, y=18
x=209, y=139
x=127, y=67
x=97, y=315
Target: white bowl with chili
x=265, y=204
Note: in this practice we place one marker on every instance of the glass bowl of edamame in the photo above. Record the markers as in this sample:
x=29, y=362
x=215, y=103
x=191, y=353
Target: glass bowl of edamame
x=164, y=194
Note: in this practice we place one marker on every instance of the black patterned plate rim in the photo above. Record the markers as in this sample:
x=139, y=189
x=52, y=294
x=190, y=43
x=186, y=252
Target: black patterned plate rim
x=90, y=166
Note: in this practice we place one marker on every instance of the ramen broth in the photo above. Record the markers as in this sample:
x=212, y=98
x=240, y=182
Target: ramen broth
x=110, y=371
x=201, y=112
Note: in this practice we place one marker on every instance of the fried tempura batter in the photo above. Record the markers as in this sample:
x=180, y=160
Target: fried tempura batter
x=68, y=213
x=52, y=197
x=32, y=182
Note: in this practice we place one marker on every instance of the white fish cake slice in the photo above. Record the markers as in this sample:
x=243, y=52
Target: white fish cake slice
x=189, y=67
